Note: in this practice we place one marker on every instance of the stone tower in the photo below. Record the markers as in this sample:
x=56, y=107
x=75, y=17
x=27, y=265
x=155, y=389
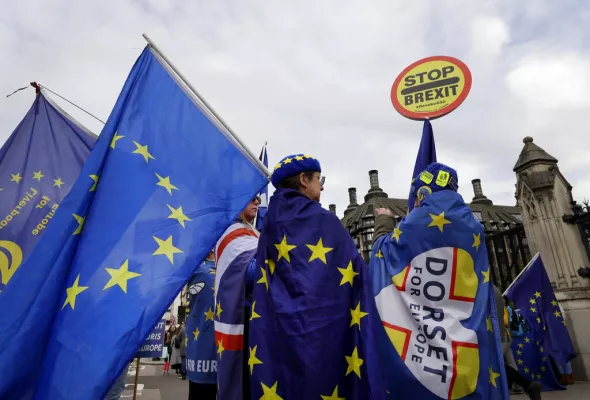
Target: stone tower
x=545, y=196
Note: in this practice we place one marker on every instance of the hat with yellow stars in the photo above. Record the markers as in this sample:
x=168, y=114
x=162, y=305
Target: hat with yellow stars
x=293, y=165
x=434, y=178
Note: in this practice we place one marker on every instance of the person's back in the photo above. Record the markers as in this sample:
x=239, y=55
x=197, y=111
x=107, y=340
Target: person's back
x=312, y=330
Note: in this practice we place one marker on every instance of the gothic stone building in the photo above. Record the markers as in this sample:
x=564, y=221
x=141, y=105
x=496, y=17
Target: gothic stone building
x=545, y=220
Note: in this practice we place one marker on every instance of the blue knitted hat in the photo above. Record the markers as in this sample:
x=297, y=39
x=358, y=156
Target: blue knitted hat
x=293, y=165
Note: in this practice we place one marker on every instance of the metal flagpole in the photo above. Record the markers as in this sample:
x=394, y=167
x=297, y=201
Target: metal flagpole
x=521, y=272
x=202, y=100
x=136, y=379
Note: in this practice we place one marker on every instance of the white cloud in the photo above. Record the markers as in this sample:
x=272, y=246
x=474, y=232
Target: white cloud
x=552, y=81
x=315, y=77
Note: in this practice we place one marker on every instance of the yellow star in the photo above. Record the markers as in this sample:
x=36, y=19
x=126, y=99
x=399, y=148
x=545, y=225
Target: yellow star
x=348, y=274
x=284, y=248
x=334, y=395
x=539, y=376
x=252, y=360
x=165, y=183
x=486, y=275
x=270, y=393
x=354, y=363
x=537, y=342
x=542, y=350
x=356, y=315
x=254, y=313
x=533, y=309
x=563, y=322
x=554, y=303
x=493, y=377
x=537, y=294
x=16, y=178
x=319, y=251
x=120, y=276
x=543, y=369
x=57, y=182
x=519, y=361
x=38, y=175
x=489, y=324
x=379, y=254
x=80, y=221
x=544, y=359
x=263, y=279
x=209, y=314
x=219, y=310
x=538, y=320
x=439, y=221
x=143, y=150
x=278, y=166
x=196, y=334
x=287, y=160
x=396, y=234
x=115, y=138
x=476, y=241
x=532, y=301
x=271, y=265
x=72, y=292
x=527, y=340
x=526, y=370
x=521, y=345
x=165, y=247
x=299, y=158
x=557, y=314
x=95, y=179
x=220, y=348
x=178, y=215
x=519, y=352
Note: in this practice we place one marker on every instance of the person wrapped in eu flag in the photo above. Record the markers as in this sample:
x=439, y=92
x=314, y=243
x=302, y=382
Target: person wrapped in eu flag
x=313, y=318
x=435, y=299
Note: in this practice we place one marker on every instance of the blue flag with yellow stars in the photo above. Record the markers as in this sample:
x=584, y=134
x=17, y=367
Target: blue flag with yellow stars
x=38, y=166
x=534, y=296
x=163, y=182
x=533, y=362
x=436, y=304
x=312, y=329
x=426, y=156
x=201, y=353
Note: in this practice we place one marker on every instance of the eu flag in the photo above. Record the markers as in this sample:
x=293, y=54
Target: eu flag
x=435, y=299
x=534, y=296
x=170, y=180
x=263, y=207
x=533, y=362
x=426, y=156
x=39, y=164
x=313, y=319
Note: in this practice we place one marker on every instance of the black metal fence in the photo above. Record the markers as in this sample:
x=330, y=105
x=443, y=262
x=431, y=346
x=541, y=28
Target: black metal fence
x=508, y=254
x=581, y=218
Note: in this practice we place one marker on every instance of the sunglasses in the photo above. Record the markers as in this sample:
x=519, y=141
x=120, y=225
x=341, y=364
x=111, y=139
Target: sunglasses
x=322, y=180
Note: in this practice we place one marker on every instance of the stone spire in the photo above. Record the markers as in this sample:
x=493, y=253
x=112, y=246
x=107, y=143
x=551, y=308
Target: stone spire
x=375, y=191
x=479, y=197
x=532, y=154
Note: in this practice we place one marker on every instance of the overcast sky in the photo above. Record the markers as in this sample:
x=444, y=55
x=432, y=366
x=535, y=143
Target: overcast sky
x=315, y=77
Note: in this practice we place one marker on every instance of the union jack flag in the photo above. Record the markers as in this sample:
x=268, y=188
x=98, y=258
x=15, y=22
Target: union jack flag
x=234, y=251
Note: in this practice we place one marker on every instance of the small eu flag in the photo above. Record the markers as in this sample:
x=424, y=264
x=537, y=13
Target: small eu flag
x=263, y=207
x=426, y=156
x=533, y=295
x=148, y=207
x=39, y=164
x=432, y=287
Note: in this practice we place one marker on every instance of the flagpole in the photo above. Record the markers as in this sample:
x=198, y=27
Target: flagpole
x=207, y=105
x=521, y=272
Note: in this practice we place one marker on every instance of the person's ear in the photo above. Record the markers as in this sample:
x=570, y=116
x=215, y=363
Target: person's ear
x=303, y=180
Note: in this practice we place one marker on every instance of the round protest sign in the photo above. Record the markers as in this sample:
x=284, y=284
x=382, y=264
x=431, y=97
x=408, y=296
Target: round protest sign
x=431, y=87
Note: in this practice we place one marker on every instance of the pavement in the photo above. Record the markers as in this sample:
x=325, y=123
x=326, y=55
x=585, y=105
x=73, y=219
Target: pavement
x=152, y=385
